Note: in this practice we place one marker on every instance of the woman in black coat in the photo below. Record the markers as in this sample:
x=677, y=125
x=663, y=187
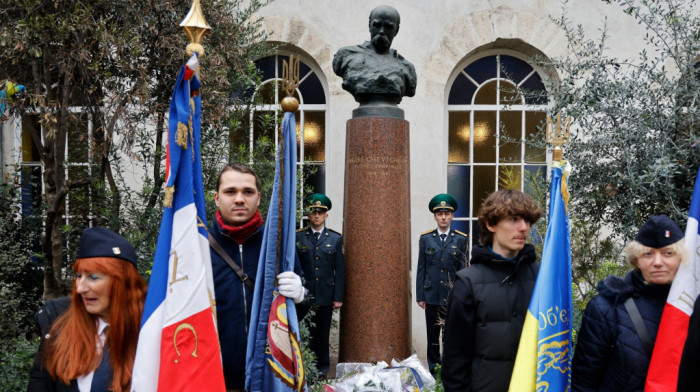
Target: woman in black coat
x=88, y=341
x=610, y=354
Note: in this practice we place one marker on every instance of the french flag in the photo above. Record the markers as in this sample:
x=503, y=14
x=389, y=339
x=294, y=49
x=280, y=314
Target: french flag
x=673, y=330
x=178, y=347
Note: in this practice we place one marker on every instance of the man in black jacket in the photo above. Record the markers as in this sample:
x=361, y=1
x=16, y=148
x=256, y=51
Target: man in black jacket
x=488, y=302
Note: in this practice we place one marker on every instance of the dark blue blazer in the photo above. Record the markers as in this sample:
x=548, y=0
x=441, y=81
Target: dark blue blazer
x=438, y=263
x=323, y=265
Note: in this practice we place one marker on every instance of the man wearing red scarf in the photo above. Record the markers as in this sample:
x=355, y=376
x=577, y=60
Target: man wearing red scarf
x=238, y=228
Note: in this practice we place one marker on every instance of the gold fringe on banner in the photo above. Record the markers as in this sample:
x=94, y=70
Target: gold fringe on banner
x=181, y=135
x=168, y=198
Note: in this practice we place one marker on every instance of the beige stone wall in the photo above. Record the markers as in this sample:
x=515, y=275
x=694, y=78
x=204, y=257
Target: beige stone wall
x=437, y=37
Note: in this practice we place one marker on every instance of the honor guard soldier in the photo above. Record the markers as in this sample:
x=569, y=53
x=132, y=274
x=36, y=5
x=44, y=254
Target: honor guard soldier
x=320, y=252
x=441, y=253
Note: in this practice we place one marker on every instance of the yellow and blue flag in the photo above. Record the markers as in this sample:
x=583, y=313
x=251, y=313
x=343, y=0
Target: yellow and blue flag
x=543, y=363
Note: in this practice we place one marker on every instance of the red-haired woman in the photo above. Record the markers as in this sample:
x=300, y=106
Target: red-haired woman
x=89, y=340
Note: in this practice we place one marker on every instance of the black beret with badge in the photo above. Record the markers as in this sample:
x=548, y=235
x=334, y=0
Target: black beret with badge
x=101, y=242
x=442, y=202
x=659, y=231
x=318, y=202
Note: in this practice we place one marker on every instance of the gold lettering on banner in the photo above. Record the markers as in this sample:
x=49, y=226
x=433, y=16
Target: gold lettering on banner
x=200, y=223
x=177, y=330
x=212, y=304
x=687, y=299
x=174, y=278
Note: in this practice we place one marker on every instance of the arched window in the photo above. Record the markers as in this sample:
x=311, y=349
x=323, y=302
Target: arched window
x=494, y=104
x=311, y=117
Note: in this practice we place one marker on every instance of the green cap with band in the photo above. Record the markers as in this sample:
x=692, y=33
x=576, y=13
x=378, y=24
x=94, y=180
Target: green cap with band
x=318, y=202
x=442, y=202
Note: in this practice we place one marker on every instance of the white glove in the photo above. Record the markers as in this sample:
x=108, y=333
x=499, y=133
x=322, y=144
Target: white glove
x=290, y=286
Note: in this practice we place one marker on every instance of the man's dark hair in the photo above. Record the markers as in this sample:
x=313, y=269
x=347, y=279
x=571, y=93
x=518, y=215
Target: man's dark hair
x=241, y=168
x=502, y=204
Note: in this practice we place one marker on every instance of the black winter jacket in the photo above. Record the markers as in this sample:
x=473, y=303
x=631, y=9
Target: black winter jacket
x=609, y=355
x=485, y=314
x=40, y=379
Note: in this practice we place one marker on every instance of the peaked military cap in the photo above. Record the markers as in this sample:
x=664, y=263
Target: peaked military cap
x=442, y=202
x=101, y=242
x=318, y=202
x=659, y=231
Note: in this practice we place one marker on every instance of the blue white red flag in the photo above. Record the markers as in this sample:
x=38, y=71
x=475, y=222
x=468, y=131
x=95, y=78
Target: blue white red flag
x=543, y=362
x=273, y=360
x=178, y=347
x=673, y=330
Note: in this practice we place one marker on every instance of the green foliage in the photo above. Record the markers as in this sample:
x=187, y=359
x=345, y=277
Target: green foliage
x=20, y=279
x=15, y=363
x=635, y=120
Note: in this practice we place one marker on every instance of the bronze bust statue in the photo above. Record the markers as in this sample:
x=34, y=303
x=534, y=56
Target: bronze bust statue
x=372, y=72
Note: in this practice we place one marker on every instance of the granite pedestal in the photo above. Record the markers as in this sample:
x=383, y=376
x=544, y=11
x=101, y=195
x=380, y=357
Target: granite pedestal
x=376, y=317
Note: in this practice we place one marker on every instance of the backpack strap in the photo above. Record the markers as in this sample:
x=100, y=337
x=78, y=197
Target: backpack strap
x=642, y=331
x=236, y=268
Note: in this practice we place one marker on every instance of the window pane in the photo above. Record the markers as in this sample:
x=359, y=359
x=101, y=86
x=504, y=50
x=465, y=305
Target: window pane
x=312, y=90
x=485, y=137
x=513, y=68
x=458, y=138
x=78, y=199
x=78, y=145
x=509, y=177
x=483, y=69
x=458, y=180
x=314, y=136
x=511, y=136
x=30, y=177
x=487, y=94
x=534, y=175
x=510, y=94
x=462, y=91
x=475, y=232
x=266, y=92
x=266, y=66
x=264, y=125
x=534, y=123
x=484, y=184
x=315, y=178
x=30, y=152
x=535, y=92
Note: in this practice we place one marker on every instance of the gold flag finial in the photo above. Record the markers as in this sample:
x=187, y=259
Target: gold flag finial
x=290, y=82
x=558, y=136
x=195, y=27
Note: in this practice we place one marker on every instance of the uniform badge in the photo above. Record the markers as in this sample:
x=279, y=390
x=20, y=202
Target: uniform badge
x=667, y=234
x=116, y=251
x=442, y=203
x=328, y=245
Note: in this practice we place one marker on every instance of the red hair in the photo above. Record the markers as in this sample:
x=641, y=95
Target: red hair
x=71, y=349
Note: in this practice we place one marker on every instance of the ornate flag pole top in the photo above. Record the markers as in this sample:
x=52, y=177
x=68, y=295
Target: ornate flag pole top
x=290, y=81
x=195, y=27
x=558, y=136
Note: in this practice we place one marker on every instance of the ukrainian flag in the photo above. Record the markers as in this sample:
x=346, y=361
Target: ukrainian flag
x=543, y=363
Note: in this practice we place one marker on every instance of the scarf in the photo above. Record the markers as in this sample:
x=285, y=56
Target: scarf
x=242, y=232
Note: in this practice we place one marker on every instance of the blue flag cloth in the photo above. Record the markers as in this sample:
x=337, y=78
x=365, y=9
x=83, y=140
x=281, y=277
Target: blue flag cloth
x=273, y=358
x=178, y=347
x=543, y=362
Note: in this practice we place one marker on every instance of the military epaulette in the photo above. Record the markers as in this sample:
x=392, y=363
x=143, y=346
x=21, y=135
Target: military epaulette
x=460, y=233
x=427, y=232
x=302, y=229
x=329, y=229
